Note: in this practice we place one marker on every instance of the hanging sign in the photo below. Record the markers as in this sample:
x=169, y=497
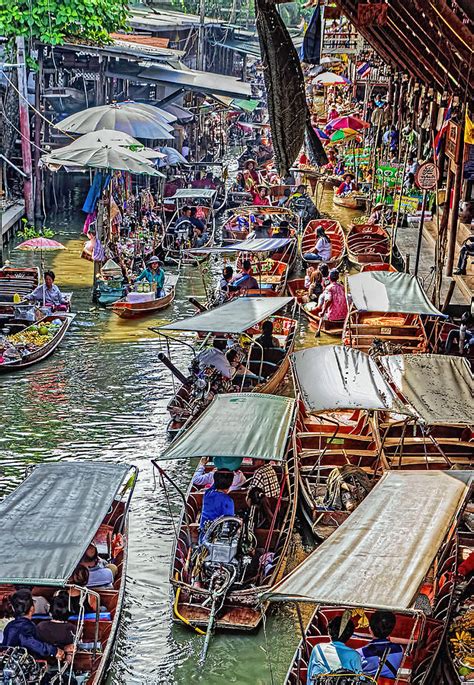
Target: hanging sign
x=407, y=205
x=370, y=14
x=453, y=141
x=426, y=176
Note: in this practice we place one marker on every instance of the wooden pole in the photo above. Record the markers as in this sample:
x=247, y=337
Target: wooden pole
x=420, y=231
x=453, y=218
x=25, y=129
x=38, y=128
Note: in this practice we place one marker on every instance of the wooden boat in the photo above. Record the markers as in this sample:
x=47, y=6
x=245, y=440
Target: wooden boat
x=224, y=592
x=177, y=245
x=240, y=222
x=127, y=309
x=333, y=230
x=264, y=369
x=98, y=487
x=399, y=328
x=17, y=281
x=408, y=502
x=354, y=200
x=367, y=244
x=378, y=266
x=38, y=354
x=297, y=290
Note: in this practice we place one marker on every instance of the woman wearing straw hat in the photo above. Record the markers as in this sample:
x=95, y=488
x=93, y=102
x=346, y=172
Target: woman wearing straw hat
x=155, y=275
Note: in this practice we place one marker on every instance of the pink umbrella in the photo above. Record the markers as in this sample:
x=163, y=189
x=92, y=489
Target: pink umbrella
x=40, y=244
x=349, y=122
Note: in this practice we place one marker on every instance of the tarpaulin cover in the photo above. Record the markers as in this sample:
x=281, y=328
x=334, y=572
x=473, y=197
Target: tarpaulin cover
x=386, y=291
x=380, y=555
x=439, y=387
x=192, y=193
x=238, y=425
x=50, y=519
x=334, y=377
x=234, y=317
x=250, y=245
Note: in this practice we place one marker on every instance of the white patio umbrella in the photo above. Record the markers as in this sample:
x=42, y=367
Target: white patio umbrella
x=118, y=138
x=167, y=117
x=173, y=157
x=124, y=117
x=103, y=156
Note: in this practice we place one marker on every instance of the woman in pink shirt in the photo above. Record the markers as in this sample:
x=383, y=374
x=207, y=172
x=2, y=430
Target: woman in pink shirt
x=334, y=306
x=260, y=197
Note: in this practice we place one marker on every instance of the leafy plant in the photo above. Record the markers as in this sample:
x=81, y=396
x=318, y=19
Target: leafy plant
x=28, y=231
x=54, y=21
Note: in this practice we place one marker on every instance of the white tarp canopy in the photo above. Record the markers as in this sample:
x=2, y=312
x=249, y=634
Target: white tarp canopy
x=236, y=316
x=381, y=554
x=238, y=425
x=439, y=387
x=193, y=194
x=336, y=377
x=386, y=291
x=251, y=245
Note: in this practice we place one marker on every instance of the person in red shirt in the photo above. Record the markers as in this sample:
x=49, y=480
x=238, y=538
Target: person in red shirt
x=251, y=168
x=260, y=197
x=467, y=567
x=347, y=186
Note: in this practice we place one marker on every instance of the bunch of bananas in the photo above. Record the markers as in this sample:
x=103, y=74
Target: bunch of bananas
x=29, y=338
x=360, y=220
x=462, y=642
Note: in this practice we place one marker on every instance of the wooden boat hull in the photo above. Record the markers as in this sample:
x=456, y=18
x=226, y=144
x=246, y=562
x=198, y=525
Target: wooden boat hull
x=43, y=352
x=367, y=244
x=378, y=266
x=338, y=241
x=134, y=310
x=242, y=609
x=405, y=331
x=295, y=288
x=351, y=201
x=233, y=232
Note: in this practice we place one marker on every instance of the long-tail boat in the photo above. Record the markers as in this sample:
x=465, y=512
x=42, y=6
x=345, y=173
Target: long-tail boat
x=388, y=310
x=401, y=541
x=295, y=287
x=48, y=522
x=176, y=241
x=333, y=230
x=128, y=308
x=217, y=575
x=29, y=351
x=239, y=322
x=242, y=220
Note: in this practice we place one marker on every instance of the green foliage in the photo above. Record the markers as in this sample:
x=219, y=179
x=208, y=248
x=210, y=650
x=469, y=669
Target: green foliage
x=27, y=231
x=55, y=21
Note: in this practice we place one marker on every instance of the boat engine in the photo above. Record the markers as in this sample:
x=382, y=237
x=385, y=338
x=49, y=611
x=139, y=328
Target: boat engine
x=222, y=543
x=17, y=667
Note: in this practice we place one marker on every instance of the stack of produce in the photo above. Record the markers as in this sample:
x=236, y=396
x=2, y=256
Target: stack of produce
x=27, y=341
x=461, y=639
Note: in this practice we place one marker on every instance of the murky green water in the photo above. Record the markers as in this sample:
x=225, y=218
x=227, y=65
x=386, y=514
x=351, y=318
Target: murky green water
x=103, y=396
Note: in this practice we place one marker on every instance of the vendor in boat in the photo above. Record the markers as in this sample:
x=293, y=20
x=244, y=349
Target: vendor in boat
x=22, y=632
x=381, y=624
x=330, y=657
x=347, y=186
x=205, y=479
x=49, y=294
x=334, y=302
x=323, y=248
x=216, y=501
x=155, y=275
x=267, y=339
x=245, y=279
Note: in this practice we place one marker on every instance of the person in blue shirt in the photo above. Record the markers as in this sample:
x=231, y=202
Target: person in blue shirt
x=21, y=632
x=381, y=624
x=216, y=502
x=329, y=657
x=154, y=274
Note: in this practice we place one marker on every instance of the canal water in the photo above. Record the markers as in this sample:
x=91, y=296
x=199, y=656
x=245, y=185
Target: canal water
x=103, y=396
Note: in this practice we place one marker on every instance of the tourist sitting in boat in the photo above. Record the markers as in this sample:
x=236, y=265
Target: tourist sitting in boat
x=216, y=501
x=265, y=478
x=250, y=167
x=226, y=289
x=195, y=220
x=155, y=275
x=466, y=251
x=49, y=294
x=239, y=184
x=100, y=573
x=58, y=630
x=381, y=624
x=22, y=632
x=200, y=237
x=315, y=289
x=347, y=186
x=334, y=302
x=261, y=231
x=283, y=230
x=330, y=657
x=260, y=197
x=322, y=250
x=267, y=339
x=245, y=279
x=301, y=203
x=77, y=599
x=203, y=479
x=215, y=356
x=307, y=279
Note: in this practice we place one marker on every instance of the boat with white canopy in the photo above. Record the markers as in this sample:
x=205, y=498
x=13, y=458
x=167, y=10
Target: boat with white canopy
x=395, y=554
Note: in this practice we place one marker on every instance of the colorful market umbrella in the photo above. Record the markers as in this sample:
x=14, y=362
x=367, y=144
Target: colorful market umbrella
x=351, y=122
x=321, y=135
x=42, y=244
x=327, y=78
x=343, y=134
x=126, y=117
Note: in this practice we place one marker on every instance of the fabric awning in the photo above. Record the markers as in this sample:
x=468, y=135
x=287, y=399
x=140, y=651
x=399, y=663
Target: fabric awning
x=246, y=105
x=193, y=193
x=238, y=425
x=381, y=554
x=336, y=377
x=234, y=317
x=385, y=291
x=439, y=387
x=48, y=522
x=251, y=245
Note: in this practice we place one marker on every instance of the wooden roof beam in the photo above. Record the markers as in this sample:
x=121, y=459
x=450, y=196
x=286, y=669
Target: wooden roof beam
x=459, y=33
